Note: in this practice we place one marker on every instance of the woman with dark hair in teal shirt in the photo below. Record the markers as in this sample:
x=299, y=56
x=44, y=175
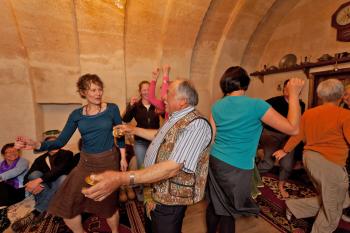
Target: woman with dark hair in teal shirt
x=237, y=124
x=95, y=122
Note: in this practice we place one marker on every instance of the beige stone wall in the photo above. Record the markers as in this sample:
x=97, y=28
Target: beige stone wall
x=304, y=30
x=15, y=85
x=46, y=45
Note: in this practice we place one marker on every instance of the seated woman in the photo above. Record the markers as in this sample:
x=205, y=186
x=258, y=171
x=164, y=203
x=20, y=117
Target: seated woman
x=325, y=131
x=12, y=170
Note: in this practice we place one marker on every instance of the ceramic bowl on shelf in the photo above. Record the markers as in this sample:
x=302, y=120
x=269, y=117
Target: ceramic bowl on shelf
x=325, y=57
x=288, y=61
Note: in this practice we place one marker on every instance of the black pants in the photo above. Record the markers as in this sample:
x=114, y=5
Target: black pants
x=167, y=218
x=272, y=141
x=226, y=224
x=10, y=195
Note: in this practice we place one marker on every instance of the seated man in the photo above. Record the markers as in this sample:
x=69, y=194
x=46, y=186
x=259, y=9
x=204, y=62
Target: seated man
x=42, y=180
x=271, y=140
x=325, y=131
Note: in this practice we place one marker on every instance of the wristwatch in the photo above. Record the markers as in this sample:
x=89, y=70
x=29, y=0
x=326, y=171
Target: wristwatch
x=131, y=179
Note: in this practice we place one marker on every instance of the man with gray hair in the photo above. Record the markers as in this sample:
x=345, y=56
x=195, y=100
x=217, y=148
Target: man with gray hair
x=176, y=162
x=325, y=131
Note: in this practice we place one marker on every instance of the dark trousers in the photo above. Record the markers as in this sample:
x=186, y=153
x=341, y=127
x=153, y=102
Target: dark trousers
x=168, y=218
x=10, y=195
x=226, y=224
x=270, y=142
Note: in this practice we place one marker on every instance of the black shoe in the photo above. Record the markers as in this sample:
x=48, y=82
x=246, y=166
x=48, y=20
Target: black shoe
x=33, y=218
x=39, y=218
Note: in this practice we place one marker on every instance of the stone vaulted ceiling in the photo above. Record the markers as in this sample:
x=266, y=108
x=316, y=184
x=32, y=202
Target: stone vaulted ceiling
x=46, y=45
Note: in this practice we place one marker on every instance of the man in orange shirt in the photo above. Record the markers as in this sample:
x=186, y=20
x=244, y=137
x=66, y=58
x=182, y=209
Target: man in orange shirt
x=325, y=131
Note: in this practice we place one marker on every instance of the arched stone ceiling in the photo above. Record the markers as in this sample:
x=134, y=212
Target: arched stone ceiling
x=47, y=45
x=262, y=34
x=62, y=39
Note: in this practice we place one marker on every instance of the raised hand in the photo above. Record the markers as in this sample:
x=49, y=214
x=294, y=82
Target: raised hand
x=24, y=143
x=295, y=85
x=155, y=74
x=166, y=70
x=133, y=100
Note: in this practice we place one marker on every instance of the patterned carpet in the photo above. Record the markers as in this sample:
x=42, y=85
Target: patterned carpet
x=131, y=220
x=273, y=206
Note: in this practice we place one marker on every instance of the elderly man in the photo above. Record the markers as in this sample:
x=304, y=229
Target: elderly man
x=176, y=162
x=325, y=131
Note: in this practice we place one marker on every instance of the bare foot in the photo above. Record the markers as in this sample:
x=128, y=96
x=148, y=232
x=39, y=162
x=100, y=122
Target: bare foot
x=283, y=192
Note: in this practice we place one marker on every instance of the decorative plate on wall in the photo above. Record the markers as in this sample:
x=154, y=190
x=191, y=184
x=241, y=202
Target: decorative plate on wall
x=287, y=61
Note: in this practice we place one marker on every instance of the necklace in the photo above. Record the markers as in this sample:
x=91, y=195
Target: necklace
x=87, y=111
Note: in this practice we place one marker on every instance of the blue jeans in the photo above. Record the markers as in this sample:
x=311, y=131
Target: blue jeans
x=140, y=148
x=43, y=198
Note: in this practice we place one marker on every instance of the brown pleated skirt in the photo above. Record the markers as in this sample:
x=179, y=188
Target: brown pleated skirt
x=69, y=202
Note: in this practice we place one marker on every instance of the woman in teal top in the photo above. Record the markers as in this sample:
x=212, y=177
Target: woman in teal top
x=237, y=122
x=95, y=122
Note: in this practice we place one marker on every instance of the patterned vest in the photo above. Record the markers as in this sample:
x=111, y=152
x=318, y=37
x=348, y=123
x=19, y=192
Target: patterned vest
x=184, y=188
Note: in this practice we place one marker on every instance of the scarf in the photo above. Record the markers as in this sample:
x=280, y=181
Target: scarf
x=4, y=167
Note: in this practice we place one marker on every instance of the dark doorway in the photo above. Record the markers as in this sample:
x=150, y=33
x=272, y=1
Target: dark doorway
x=341, y=74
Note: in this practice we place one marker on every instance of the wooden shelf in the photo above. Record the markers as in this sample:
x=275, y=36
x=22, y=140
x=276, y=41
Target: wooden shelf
x=304, y=66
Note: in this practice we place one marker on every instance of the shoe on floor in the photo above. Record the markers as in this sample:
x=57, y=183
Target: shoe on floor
x=39, y=218
x=130, y=193
x=22, y=223
x=32, y=218
x=122, y=195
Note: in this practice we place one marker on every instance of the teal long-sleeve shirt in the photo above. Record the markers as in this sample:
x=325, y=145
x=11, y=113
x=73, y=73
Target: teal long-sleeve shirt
x=96, y=130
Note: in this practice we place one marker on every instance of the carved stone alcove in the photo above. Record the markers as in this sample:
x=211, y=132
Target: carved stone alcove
x=315, y=78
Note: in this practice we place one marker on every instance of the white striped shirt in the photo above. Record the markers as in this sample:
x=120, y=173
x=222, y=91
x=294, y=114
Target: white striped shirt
x=191, y=142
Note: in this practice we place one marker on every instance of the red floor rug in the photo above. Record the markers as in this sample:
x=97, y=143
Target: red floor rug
x=273, y=207
x=131, y=221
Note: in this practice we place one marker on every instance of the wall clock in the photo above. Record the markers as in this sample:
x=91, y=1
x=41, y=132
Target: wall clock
x=341, y=21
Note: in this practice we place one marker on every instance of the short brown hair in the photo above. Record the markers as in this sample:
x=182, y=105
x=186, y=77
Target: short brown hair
x=85, y=81
x=234, y=78
x=6, y=146
x=141, y=84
